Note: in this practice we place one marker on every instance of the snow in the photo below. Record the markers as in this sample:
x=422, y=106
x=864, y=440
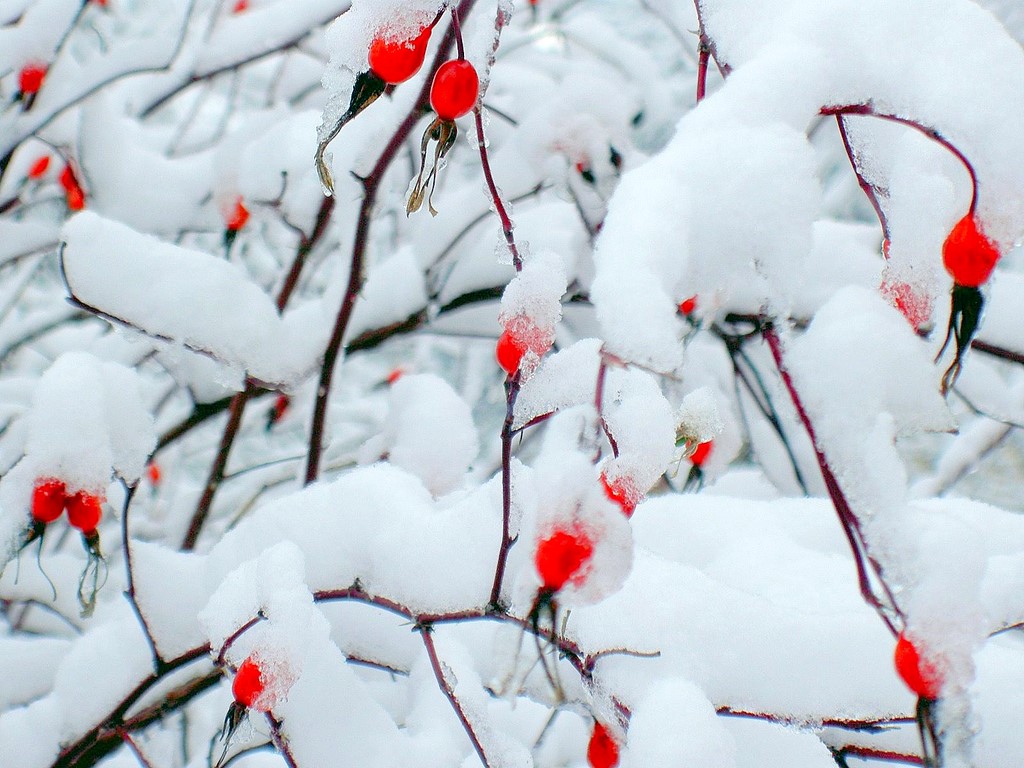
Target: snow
x=168, y=303
x=719, y=625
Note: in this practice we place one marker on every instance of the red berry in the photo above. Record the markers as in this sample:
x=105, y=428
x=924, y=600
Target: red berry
x=560, y=557
x=237, y=217
x=280, y=406
x=395, y=375
x=602, y=751
x=687, y=306
x=39, y=167
x=622, y=491
x=240, y=6
x=31, y=77
x=395, y=61
x=509, y=353
x=76, y=199
x=67, y=178
x=154, y=474
x=700, y=453
x=48, y=500
x=249, y=685
x=968, y=255
x=920, y=676
x=84, y=511
x=454, y=90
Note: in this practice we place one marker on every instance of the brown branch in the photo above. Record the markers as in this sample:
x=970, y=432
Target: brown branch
x=449, y=692
x=357, y=261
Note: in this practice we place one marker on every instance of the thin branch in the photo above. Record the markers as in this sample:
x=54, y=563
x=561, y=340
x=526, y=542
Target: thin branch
x=449, y=692
x=847, y=517
x=360, y=244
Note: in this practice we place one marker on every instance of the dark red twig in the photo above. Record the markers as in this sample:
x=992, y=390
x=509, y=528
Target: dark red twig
x=847, y=517
x=449, y=692
x=371, y=185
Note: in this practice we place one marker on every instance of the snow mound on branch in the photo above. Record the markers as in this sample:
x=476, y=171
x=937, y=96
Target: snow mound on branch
x=563, y=380
x=430, y=432
x=186, y=298
x=865, y=377
x=676, y=726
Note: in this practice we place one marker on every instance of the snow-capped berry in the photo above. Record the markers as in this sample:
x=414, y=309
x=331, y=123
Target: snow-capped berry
x=603, y=750
x=39, y=167
x=31, y=77
x=509, y=352
x=237, y=217
x=560, y=558
x=913, y=304
x=968, y=255
x=84, y=511
x=622, y=491
x=687, y=306
x=395, y=61
x=48, y=498
x=700, y=453
x=920, y=676
x=455, y=89
x=249, y=685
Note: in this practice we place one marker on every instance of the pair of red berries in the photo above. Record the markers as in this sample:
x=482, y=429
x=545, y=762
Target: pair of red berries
x=453, y=93
x=73, y=192
x=50, y=498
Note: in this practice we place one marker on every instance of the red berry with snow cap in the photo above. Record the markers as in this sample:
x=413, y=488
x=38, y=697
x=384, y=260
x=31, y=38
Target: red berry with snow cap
x=84, y=511
x=968, y=255
x=395, y=61
x=688, y=306
x=700, y=453
x=455, y=89
x=622, y=491
x=237, y=217
x=249, y=685
x=562, y=557
x=31, y=77
x=48, y=498
x=39, y=167
x=509, y=352
x=920, y=676
x=603, y=750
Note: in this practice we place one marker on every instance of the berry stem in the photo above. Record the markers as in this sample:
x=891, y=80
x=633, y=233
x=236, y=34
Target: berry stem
x=458, y=33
